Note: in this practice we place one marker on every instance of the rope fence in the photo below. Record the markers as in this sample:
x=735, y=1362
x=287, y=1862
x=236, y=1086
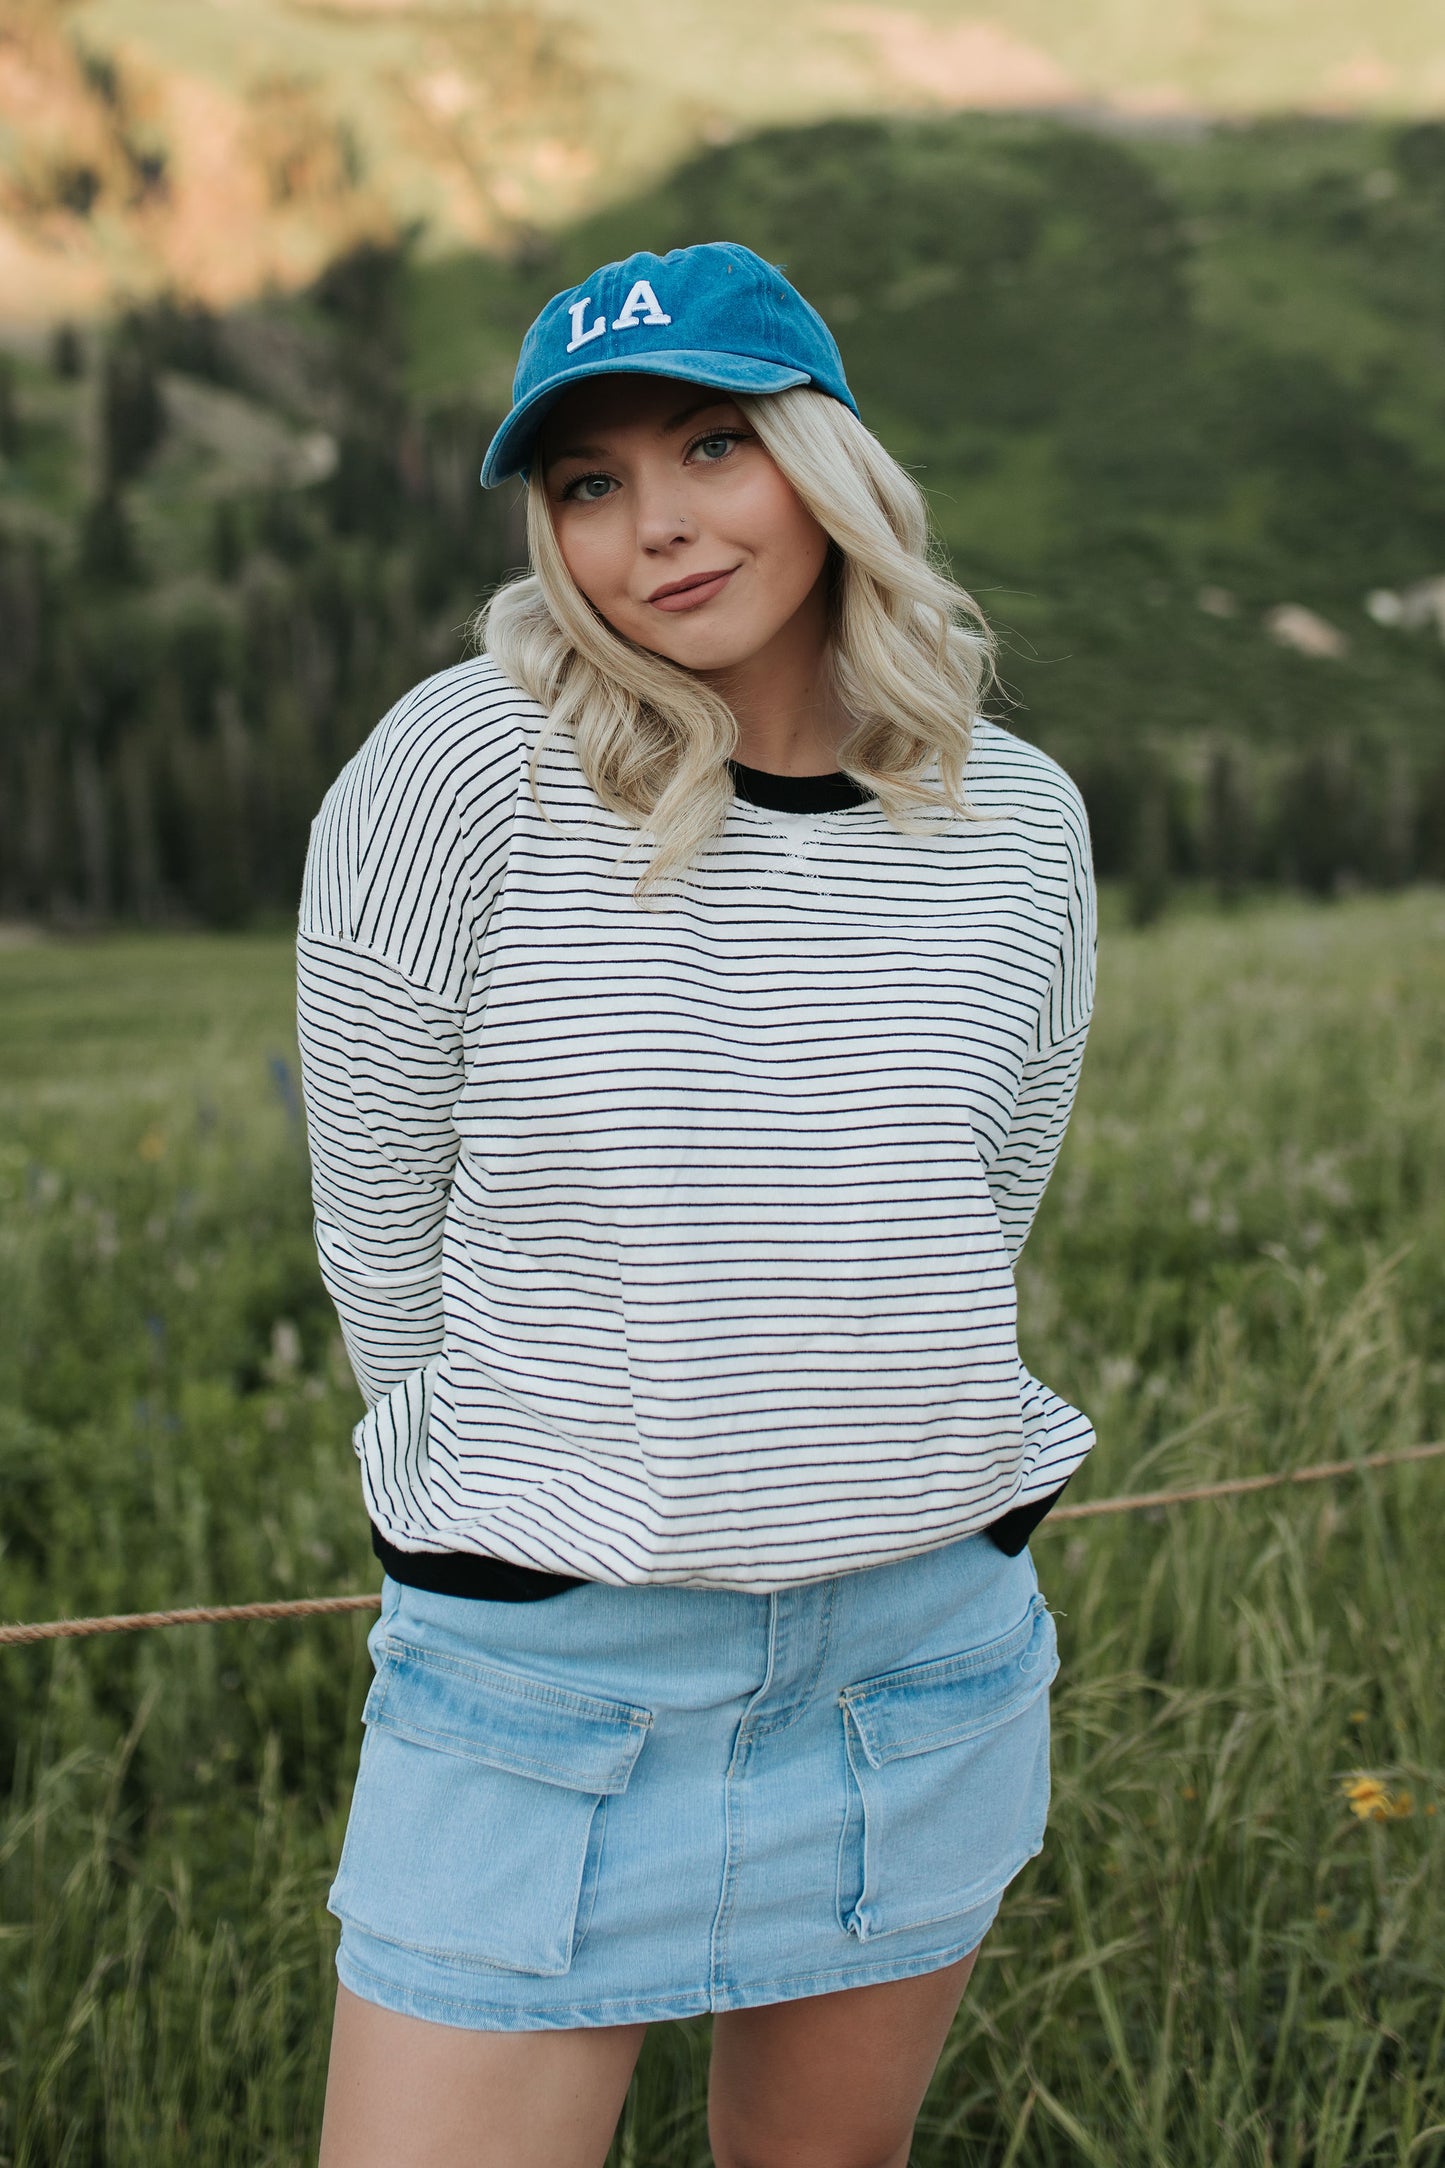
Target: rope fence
x=129, y=1622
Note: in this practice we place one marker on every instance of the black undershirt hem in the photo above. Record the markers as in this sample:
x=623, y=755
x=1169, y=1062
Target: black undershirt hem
x=464, y=1573
x=501, y=1580
x=1013, y=1529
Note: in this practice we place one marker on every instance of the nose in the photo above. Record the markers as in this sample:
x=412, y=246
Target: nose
x=663, y=519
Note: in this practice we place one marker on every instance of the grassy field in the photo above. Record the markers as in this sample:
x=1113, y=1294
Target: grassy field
x=1240, y=1265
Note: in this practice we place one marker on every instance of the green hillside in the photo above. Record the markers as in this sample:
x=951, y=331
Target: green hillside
x=1125, y=371
x=1179, y=405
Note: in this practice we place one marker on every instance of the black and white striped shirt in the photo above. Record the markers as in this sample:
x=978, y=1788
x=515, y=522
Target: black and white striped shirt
x=675, y=1244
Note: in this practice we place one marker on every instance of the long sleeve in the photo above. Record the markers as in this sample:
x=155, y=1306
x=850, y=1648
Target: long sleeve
x=403, y=860
x=1058, y=1434
x=1020, y=1172
x=381, y=1065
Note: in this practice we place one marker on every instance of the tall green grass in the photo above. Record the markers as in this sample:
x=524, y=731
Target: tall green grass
x=1239, y=1266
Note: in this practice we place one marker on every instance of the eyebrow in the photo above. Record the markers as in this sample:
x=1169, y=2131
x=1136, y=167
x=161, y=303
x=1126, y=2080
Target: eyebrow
x=676, y=421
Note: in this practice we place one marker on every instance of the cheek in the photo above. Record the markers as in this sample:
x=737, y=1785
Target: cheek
x=783, y=525
x=792, y=538
x=595, y=558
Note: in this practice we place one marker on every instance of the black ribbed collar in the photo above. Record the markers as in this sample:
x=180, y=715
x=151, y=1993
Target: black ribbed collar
x=798, y=793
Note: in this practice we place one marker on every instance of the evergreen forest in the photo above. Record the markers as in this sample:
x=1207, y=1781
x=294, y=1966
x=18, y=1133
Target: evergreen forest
x=1177, y=398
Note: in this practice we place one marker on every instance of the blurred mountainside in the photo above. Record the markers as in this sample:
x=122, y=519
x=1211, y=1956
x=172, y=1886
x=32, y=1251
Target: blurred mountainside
x=224, y=146
x=1178, y=403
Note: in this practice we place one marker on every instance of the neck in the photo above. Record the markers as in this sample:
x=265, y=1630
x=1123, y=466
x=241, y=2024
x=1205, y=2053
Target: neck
x=789, y=719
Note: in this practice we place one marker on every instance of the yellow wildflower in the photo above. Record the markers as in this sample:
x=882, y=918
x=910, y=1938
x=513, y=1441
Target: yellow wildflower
x=152, y=1145
x=1372, y=1801
x=1359, y=1716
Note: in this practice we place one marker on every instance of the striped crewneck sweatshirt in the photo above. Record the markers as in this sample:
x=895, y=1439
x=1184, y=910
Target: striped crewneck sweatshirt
x=673, y=1241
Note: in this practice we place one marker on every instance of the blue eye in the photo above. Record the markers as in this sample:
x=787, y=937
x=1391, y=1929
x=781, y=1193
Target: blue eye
x=716, y=447
x=588, y=488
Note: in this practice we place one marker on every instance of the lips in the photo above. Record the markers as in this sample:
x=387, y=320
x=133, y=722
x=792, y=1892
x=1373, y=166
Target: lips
x=690, y=594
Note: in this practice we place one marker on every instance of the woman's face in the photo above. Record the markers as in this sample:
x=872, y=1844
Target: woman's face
x=675, y=523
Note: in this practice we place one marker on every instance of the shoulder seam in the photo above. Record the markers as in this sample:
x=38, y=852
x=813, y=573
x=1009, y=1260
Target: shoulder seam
x=348, y=946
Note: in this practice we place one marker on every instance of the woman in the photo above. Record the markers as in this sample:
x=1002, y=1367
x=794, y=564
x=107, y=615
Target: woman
x=692, y=995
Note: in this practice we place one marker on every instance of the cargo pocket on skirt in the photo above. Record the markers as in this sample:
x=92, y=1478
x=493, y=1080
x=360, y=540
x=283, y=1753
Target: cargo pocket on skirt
x=948, y=1767
x=477, y=1821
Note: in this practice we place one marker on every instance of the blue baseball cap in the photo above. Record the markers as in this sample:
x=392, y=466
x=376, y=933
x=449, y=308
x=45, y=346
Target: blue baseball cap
x=713, y=314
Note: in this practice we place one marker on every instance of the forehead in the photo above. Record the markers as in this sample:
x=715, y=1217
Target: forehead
x=619, y=401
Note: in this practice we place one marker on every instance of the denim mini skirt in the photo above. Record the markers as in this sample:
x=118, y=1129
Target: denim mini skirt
x=627, y=1804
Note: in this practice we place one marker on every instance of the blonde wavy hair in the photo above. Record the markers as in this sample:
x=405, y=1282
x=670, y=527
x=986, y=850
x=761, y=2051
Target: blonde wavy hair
x=911, y=652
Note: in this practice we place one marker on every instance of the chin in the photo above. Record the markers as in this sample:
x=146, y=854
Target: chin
x=715, y=647
x=714, y=660
x=704, y=655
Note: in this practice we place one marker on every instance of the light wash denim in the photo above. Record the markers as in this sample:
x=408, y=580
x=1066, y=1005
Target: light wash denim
x=625, y=1804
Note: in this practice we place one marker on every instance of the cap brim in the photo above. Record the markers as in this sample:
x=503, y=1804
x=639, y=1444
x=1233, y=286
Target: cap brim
x=510, y=450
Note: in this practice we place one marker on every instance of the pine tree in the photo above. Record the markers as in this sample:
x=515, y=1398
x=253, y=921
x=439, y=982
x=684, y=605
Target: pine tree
x=1149, y=865
x=11, y=430
x=108, y=550
x=1429, y=839
x=1319, y=821
x=140, y=868
x=1226, y=825
x=67, y=355
x=1395, y=828
x=132, y=413
x=227, y=544
x=92, y=829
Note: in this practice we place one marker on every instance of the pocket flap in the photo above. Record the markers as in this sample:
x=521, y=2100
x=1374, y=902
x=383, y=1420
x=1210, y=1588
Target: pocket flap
x=523, y=1725
x=955, y=1698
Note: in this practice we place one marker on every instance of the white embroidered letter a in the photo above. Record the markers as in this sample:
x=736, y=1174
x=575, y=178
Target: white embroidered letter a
x=594, y=331
x=640, y=307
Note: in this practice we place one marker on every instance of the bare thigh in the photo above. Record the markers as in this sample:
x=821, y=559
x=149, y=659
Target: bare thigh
x=402, y=2092
x=830, y=2081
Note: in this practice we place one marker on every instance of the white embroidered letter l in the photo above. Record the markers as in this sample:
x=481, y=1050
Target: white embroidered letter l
x=594, y=331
